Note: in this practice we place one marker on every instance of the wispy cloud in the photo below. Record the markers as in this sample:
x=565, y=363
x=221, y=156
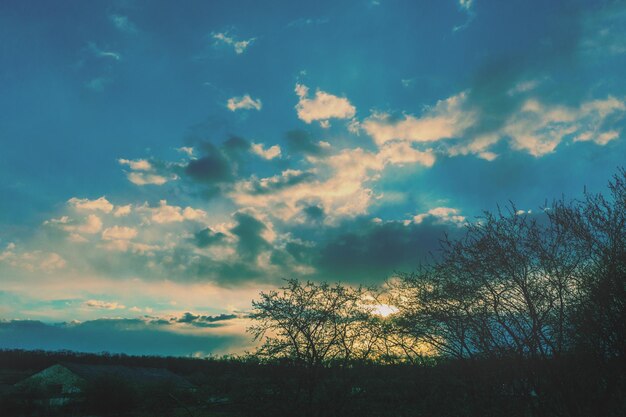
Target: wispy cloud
x=239, y=46
x=143, y=172
x=103, y=53
x=104, y=305
x=123, y=23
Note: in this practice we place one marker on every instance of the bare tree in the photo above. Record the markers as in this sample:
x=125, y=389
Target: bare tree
x=315, y=324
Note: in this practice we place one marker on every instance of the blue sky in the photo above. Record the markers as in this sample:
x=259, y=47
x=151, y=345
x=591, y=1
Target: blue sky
x=164, y=162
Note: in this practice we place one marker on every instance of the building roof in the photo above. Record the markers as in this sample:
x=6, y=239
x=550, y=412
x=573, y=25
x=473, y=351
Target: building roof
x=134, y=375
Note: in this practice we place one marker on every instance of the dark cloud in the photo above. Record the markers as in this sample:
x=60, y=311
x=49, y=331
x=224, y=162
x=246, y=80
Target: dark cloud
x=235, y=144
x=301, y=141
x=207, y=237
x=281, y=182
x=205, y=321
x=213, y=167
x=365, y=251
x=249, y=231
x=314, y=213
x=130, y=336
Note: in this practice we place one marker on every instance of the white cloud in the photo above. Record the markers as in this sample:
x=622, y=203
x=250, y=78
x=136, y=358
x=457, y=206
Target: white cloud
x=539, y=129
x=187, y=150
x=600, y=139
x=466, y=4
x=269, y=153
x=342, y=190
x=142, y=178
x=536, y=128
x=52, y=261
x=400, y=153
x=239, y=46
x=33, y=260
x=143, y=172
x=104, y=305
x=101, y=204
x=441, y=215
x=121, y=211
x=190, y=213
x=90, y=225
x=119, y=232
x=171, y=214
x=447, y=119
x=137, y=164
x=244, y=102
x=322, y=106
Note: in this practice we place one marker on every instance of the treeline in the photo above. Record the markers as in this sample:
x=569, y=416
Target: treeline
x=36, y=360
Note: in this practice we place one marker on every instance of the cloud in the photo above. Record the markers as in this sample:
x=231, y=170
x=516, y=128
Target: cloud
x=466, y=4
x=322, y=106
x=536, y=128
x=144, y=172
x=188, y=150
x=340, y=183
x=100, y=204
x=245, y=102
x=203, y=320
x=364, y=251
x=251, y=234
x=400, y=153
x=165, y=213
x=239, y=46
x=90, y=225
x=129, y=336
x=101, y=53
x=119, y=233
x=208, y=237
x=269, y=153
x=447, y=119
x=31, y=260
x=303, y=142
x=122, y=211
x=213, y=167
x=123, y=23
x=137, y=164
x=539, y=129
x=97, y=84
x=103, y=305
x=302, y=22
x=441, y=215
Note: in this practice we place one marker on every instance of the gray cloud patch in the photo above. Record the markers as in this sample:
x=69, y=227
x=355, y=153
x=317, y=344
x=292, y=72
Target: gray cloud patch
x=211, y=168
x=204, y=321
x=130, y=336
x=301, y=141
x=207, y=237
x=281, y=182
x=249, y=230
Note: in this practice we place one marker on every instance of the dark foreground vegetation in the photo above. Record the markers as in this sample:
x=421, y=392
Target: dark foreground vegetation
x=525, y=315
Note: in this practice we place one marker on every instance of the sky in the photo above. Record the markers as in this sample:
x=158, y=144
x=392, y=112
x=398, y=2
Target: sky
x=163, y=162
